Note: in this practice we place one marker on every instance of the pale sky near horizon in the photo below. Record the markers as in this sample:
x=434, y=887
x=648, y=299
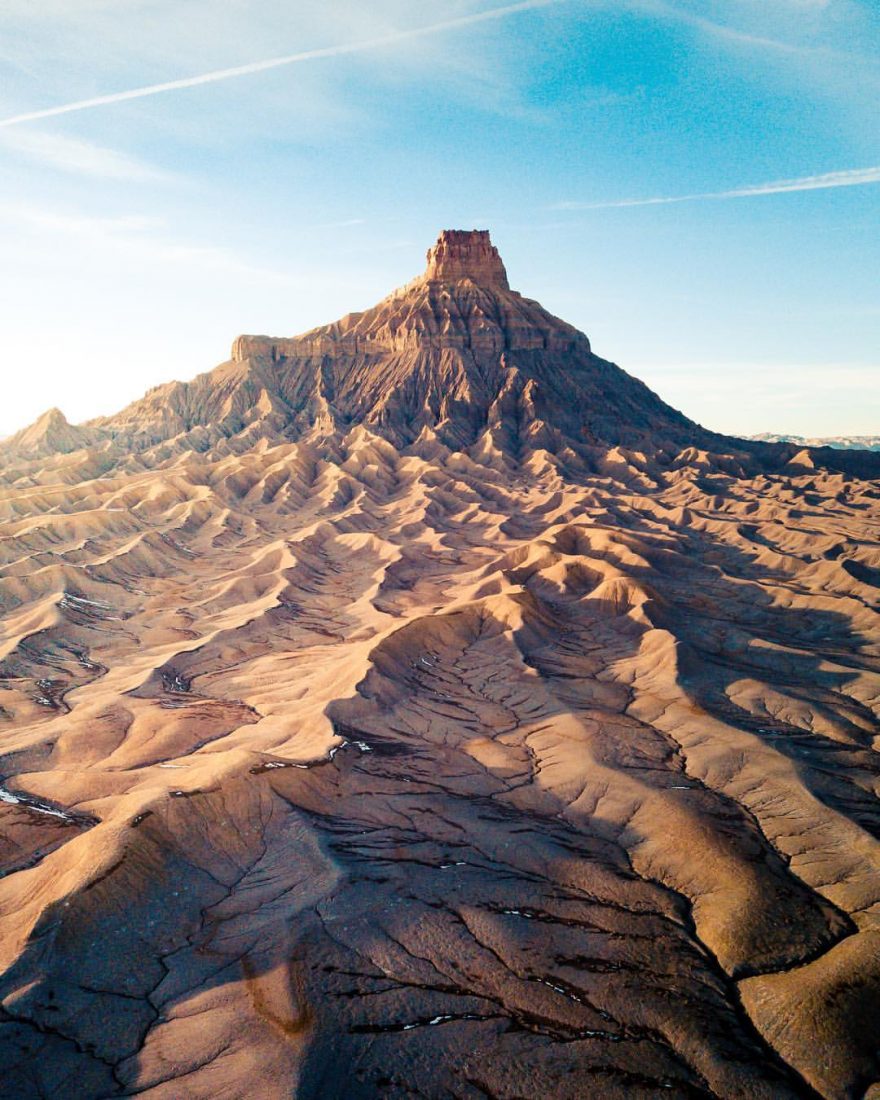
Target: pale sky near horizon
x=694, y=183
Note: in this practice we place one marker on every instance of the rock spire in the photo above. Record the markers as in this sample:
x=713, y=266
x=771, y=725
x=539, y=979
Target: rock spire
x=461, y=253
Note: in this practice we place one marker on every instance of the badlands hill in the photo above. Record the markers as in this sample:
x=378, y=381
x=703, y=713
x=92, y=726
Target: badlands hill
x=422, y=707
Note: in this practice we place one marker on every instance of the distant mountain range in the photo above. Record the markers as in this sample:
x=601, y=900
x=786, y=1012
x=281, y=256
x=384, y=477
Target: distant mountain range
x=841, y=442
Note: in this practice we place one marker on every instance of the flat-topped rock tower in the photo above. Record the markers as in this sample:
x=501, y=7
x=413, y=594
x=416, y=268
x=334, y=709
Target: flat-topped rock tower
x=462, y=253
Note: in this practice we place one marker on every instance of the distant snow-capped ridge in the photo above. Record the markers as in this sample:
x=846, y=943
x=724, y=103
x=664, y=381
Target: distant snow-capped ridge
x=841, y=442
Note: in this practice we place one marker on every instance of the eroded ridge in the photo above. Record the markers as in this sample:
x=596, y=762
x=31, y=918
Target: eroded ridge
x=469, y=763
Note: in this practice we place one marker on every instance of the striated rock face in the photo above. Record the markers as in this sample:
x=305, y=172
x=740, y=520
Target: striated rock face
x=455, y=353
x=49, y=434
x=459, y=254
x=422, y=707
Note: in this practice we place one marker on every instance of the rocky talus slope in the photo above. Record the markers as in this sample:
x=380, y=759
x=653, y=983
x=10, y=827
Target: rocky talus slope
x=421, y=707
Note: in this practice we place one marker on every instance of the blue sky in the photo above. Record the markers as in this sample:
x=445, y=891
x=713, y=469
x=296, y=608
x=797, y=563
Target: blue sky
x=142, y=233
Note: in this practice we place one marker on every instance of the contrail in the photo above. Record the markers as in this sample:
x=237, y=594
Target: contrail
x=853, y=177
x=278, y=62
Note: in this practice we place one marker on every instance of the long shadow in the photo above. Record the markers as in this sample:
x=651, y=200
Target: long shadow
x=735, y=605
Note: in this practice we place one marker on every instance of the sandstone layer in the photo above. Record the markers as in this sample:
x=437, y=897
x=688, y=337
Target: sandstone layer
x=422, y=707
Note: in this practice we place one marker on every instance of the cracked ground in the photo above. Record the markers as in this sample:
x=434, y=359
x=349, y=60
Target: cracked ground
x=338, y=772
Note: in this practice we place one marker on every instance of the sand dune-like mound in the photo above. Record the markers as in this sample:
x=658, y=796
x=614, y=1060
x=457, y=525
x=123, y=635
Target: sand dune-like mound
x=422, y=707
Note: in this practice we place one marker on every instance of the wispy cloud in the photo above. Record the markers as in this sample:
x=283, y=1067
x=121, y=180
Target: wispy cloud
x=853, y=177
x=739, y=37
x=81, y=157
x=132, y=239
x=255, y=67
x=345, y=223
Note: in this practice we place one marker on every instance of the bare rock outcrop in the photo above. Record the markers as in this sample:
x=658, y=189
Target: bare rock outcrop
x=460, y=254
